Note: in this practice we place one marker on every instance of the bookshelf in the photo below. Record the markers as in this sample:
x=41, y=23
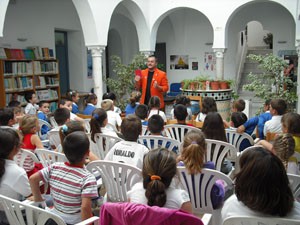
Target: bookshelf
x=20, y=75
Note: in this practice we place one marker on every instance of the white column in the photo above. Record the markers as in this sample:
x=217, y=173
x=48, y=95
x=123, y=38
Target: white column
x=298, y=76
x=96, y=52
x=219, y=52
x=147, y=53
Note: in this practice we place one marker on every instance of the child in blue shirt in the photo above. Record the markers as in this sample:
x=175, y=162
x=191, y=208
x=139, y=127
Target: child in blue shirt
x=91, y=102
x=42, y=114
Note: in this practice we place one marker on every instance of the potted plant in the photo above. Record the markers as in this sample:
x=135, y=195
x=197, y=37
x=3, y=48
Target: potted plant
x=214, y=84
x=268, y=39
x=224, y=84
x=202, y=81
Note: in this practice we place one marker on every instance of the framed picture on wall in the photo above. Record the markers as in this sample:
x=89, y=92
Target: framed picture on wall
x=179, y=62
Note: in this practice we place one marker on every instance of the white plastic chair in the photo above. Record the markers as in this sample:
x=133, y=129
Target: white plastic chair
x=217, y=151
x=294, y=184
x=87, y=125
x=25, y=154
x=111, y=127
x=15, y=212
x=54, y=138
x=104, y=143
x=145, y=130
x=53, y=121
x=153, y=142
x=42, y=123
x=253, y=220
x=177, y=131
x=199, y=187
x=118, y=178
x=236, y=139
x=48, y=157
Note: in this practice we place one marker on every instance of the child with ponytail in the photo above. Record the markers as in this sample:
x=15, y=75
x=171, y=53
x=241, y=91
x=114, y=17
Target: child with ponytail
x=193, y=158
x=13, y=179
x=159, y=169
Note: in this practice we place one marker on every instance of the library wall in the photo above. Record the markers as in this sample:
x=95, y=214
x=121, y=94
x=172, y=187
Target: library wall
x=36, y=22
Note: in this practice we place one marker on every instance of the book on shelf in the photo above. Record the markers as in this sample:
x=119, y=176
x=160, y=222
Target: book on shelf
x=48, y=94
x=36, y=51
x=2, y=54
x=29, y=54
x=18, y=83
x=17, y=68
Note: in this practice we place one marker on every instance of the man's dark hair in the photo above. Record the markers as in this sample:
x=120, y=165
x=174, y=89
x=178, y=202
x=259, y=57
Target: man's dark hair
x=75, y=146
x=61, y=115
x=41, y=103
x=180, y=112
x=155, y=124
x=6, y=115
x=141, y=111
x=28, y=96
x=131, y=128
x=14, y=103
x=279, y=105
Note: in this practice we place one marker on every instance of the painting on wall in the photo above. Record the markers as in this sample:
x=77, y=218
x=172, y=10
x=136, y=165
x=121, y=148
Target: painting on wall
x=209, y=61
x=89, y=65
x=179, y=62
x=194, y=65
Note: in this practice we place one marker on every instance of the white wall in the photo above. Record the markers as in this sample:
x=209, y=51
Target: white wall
x=37, y=21
x=256, y=34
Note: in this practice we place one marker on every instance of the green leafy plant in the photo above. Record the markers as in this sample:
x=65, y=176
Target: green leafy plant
x=272, y=83
x=122, y=84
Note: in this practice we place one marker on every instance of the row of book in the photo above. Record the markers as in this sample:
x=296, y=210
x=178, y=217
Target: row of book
x=30, y=53
x=46, y=95
x=18, y=83
x=41, y=67
x=18, y=68
x=45, y=81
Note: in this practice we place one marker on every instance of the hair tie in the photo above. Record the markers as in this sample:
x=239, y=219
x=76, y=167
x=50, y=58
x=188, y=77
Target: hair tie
x=96, y=116
x=64, y=128
x=155, y=177
x=194, y=142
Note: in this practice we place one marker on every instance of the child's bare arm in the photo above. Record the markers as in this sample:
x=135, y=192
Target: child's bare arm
x=34, y=181
x=35, y=140
x=86, y=208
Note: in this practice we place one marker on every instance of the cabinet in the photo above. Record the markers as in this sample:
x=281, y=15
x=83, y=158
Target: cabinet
x=20, y=76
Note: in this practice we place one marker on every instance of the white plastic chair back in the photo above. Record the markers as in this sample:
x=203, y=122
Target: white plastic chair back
x=199, y=187
x=54, y=138
x=53, y=121
x=118, y=178
x=153, y=142
x=294, y=184
x=16, y=212
x=253, y=220
x=48, y=157
x=87, y=125
x=145, y=130
x=25, y=154
x=236, y=139
x=104, y=143
x=177, y=131
x=111, y=127
x=42, y=123
x=217, y=151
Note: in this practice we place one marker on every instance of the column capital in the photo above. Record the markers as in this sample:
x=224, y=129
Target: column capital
x=219, y=52
x=298, y=47
x=147, y=53
x=96, y=50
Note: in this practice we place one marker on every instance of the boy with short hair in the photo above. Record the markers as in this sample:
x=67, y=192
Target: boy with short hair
x=180, y=114
x=277, y=109
x=42, y=114
x=72, y=186
x=129, y=151
x=156, y=125
x=31, y=107
x=238, y=105
x=7, y=118
x=141, y=112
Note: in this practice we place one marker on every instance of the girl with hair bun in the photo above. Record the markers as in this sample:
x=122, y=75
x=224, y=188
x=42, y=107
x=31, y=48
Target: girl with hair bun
x=193, y=158
x=159, y=168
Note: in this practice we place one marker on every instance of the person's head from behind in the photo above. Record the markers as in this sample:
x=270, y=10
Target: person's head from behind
x=154, y=102
x=151, y=62
x=107, y=105
x=284, y=147
x=238, y=105
x=61, y=116
x=30, y=97
x=131, y=128
x=213, y=127
x=134, y=98
x=44, y=107
x=29, y=124
x=73, y=96
x=141, y=111
x=14, y=103
x=262, y=183
x=70, y=127
x=98, y=120
x=193, y=151
x=278, y=107
x=76, y=147
x=290, y=123
x=267, y=105
x=91, y=99
x=111, y=96
x=159, y=168
x=10, y=144
x=181, y=99
x=238, y=119
x=18, y=112
x=180, y=112
x=209, y=105
x=7, y=117
x=156, y=124
x=65, y=103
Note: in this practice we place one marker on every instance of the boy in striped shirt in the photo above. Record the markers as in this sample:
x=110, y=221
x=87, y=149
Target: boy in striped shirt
x=71, y=185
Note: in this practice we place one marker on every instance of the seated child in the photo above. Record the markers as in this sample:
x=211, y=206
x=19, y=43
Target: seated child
x=91, y=102
x=42, y=114
x=129, y=151
x=113, y=117
x=74, y=97
x=112, y=97
x=65, y=103
x=181, y=114
x=31, y=107
x=183, y=100
x=154, y=106
x=7, y=118
x=290, y=124
x=237, y=106
x=133, y=102
x=141, y=112
x=72, y=186
x=208, y=105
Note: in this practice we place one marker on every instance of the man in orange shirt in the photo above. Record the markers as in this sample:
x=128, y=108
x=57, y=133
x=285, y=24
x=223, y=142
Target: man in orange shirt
x=153, y=82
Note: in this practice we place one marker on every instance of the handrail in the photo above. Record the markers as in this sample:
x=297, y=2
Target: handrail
x=241, y=58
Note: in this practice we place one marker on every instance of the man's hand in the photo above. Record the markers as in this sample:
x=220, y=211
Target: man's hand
x=157, y=86
x=137, y=78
